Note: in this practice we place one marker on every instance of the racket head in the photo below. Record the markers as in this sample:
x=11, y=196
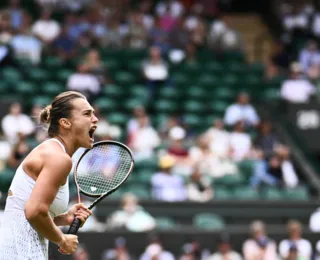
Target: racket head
x=103, y=168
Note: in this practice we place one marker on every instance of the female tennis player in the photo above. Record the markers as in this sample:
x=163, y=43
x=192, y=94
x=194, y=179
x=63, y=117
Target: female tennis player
x=38, y=195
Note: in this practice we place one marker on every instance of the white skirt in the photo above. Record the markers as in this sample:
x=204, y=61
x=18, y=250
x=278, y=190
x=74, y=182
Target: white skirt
x=19, y=241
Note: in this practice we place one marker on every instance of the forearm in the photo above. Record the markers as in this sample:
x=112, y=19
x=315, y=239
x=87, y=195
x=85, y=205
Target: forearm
x=61, y=220
x=46, y=227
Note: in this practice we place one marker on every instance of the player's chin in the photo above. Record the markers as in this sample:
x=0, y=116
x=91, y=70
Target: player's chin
x=88, y=143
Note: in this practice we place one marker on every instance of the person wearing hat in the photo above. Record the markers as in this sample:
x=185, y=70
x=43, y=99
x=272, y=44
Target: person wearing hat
x=259, y=246
x=167, y=186
x=224, y=249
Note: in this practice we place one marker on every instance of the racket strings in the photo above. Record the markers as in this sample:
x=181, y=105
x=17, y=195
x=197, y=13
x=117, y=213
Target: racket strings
x=103, y=168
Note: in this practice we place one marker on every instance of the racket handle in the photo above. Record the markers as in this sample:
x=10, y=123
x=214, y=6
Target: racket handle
x=76, y=223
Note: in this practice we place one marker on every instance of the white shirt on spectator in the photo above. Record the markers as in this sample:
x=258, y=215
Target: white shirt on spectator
x=144, y=140
x=297, y=91
x=308, y=58
x=314, y=222
x=316, y=25
x=304, y=248
x=219, y=141
x=237, y=112
x=231, y=255
x=251, y=250
x=289, y=174
x=12, y=125
x=240, y=145
x=168, y=187
x=176, y=9
x=48, y=30
x=83, y=82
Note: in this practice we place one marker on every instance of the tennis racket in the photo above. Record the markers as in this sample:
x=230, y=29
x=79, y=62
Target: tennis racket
x=100, y=171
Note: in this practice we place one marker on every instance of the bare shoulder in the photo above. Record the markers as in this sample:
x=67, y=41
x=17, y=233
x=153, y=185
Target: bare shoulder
x=52, y=154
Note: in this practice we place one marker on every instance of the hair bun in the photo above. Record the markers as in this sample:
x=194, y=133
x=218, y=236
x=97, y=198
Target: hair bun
x=45, y=115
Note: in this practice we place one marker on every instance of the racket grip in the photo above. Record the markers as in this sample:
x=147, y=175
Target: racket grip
x=76, y=223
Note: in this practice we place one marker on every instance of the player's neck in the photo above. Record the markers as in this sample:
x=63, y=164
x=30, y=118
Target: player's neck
x=67, y=143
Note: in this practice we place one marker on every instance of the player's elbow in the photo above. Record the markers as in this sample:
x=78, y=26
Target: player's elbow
x=34, y=212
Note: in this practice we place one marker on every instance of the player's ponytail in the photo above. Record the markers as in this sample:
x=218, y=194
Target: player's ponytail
x=45, y=115
x=60, y=107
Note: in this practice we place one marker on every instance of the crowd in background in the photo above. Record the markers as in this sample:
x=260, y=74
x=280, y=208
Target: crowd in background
x=188, y=164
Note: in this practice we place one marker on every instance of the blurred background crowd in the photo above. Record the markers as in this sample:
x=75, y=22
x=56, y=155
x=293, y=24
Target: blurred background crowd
x=196, y=97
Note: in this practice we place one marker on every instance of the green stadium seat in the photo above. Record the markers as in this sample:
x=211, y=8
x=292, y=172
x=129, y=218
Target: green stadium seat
x=233, y=56
x=169, y=93
x=222, y=193
x=26, y=88
x=11, y=75
x=271, y=94
x=41, y=100
x=135, y=66
x=164, y=106
x=52, y=62
x=245, y=193
x=130, y=104
x=6, y=176
x=207, y=81
x=63, y=75
x=151, y=164
x=195, y=92
x=105, y=105
x=124, y=78
x=298, y=193
x=223, y=93
x=139, y=92
x=214, y=67
x=112, y=65
x=193, y=106
x=192, y=120
x=272, y=193
x=165, y=223
x=208, y=221
x=38, y=75
x=230, y=180
x=140, y=190
x=4, y=87
x=144, y=176
x=218, y=107
x=52, y=88
x=118, y=119
x=180, y=80
x=191, y=69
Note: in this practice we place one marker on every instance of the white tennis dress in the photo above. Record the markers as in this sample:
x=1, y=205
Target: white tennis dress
x=18, y=240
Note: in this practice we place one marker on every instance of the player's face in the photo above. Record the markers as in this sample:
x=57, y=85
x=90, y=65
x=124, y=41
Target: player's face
x=83, y=123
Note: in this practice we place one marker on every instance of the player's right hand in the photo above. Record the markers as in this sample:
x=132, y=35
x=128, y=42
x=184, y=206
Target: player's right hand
x=69, y=244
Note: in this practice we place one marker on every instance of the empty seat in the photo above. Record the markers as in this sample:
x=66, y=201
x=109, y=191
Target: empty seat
x=165, y=223
x=208, y=221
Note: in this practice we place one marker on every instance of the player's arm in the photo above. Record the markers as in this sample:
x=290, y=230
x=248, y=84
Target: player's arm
x=54, y=173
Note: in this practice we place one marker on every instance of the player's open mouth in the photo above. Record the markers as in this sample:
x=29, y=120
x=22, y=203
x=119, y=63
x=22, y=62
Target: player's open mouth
x=91, y=132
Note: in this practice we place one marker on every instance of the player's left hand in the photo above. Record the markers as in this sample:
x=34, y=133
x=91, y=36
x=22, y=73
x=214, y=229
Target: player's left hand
x=79, y=211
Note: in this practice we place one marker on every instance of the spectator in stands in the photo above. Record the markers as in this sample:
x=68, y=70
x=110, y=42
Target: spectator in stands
x=309, y=56
x=179, y=36
x=159, y=37
x=46, y=29
x=266, y=139
x=16, y=13
x=171, y=7
x=155, y=70
x=297, y=89
x=144, y=139
x=138, y=35
x=64, y=46
x=187, y=252
x=276, y=170
x=95, y=65
x=166, y=125
x=240, y=142
x=25, y=44
x=6, y=32
x=40, y=133
x=85, y=82
x=81, y=253
x=219, y=139
x=133, y=124
x=295, y=242
x=119, y=252
x=131, y=216
x=259, y=246
x=278, y=63
x=198, y=188
x=155, y=250
x=167, y=186
x=19, y=151
x=16, y=122
x=224, y=249
x=116, y=35
x=241, y=110
x=317, y=253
